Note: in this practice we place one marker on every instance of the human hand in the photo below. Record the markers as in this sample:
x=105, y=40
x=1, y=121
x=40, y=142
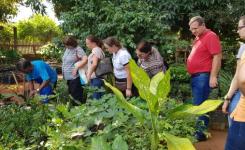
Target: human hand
x=225, y=106
x=128, y=93
x=88, y=77
x=213, y=82
x=33, y=92
x=74, y=72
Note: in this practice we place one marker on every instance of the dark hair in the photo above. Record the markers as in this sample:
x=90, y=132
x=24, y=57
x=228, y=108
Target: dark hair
x=70, y=41
x=144, y=47
x=23, y=64
x=96, y=40
x=110, y=41
x=242, y=18
x=198, y=19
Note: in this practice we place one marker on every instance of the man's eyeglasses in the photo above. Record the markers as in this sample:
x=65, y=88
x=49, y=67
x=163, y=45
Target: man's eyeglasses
x=239, y=28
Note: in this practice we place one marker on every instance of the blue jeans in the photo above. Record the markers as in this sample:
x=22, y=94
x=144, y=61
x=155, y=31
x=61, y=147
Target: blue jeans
x=236, y=136
x=200, y=91
x=98, y=83
x=234, y=100
x=45, y=91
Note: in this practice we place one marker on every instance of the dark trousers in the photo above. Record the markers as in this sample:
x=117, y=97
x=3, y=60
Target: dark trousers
x=76, y=90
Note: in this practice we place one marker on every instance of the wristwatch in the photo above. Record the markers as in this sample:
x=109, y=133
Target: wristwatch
x=227, y=99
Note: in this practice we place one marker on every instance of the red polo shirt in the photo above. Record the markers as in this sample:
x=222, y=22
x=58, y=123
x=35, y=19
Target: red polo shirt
x=201, y=56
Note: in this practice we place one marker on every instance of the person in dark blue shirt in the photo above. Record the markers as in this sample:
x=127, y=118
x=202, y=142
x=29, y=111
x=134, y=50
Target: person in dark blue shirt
x=40, y=72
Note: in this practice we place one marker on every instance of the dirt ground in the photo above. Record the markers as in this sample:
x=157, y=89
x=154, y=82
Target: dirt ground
x=12, y=89
x=216, y=142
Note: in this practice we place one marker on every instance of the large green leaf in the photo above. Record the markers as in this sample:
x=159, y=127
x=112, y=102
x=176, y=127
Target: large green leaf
x=176, y=143
x=99, y=143
x=160, y=86
x=155, y=82
x=188, y=109
x=163, y=88
x=119, y=143
x=140, y=79
x=137, y=112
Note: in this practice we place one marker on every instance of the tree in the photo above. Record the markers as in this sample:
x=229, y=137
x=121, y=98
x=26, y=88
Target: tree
x=6, y=33
x=38, y=28
x=8, y=8
x=220, y=15
x=129, y=20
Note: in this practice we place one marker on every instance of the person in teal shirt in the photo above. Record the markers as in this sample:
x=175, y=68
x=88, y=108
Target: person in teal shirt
x=40, y=72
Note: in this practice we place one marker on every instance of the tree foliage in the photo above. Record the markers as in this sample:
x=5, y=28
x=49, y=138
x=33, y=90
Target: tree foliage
x=127, y=17
x=162, y=22
x=8, y=8
x=38, y=28
x=129, y=20
x=6, y=33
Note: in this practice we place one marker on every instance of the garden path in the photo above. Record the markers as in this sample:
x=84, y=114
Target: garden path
x=216, y=142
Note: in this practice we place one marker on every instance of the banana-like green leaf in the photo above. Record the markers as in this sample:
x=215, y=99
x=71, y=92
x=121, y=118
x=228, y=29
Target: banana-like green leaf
x=137, y=112
x=140, y=79
x=160, y=86
x=187, y=109
x=99, y=143
x=119, y=143
x=163, y=88
x=176, y=143
x=155, y=82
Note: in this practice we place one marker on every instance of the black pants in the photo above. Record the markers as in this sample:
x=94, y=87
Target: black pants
x=76, y=90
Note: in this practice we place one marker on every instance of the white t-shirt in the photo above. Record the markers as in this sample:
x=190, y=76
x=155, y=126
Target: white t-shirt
x=119, y=60
x=98, y=52
x=240, y=51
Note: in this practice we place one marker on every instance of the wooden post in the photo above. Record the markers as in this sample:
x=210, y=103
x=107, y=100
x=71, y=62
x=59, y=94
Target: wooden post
x=34, y=49
x=15, y=38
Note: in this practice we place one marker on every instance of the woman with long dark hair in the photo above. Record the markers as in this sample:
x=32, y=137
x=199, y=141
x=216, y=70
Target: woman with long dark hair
x=95, y=45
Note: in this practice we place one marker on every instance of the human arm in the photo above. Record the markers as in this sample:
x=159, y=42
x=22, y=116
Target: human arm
x=95, y=61
x=216, y=64
x=231, y=91
x=241, y=77
x=129, y=81
x=79, y=65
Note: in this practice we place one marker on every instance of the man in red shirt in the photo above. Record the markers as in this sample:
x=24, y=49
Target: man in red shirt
x=203, y=64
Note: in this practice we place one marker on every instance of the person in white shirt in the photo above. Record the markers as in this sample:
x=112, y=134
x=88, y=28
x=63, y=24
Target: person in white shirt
x=120, y=62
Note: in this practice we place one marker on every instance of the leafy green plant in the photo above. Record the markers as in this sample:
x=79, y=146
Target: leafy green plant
x=9, y=54
x=180, y=81
x=38, y=28
x=225, y=79
x=155, y=92
x=20, y=126
x=51, y=52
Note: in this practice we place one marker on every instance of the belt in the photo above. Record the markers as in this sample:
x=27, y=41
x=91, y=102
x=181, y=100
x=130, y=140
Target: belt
x=121, y=80
x=199, y=73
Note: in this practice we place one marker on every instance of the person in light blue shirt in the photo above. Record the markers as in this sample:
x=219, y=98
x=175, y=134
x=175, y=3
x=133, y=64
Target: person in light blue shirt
x=39, y=72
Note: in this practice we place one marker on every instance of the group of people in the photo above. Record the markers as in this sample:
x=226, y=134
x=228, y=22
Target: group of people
x=203, y=64
x=75, y=58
